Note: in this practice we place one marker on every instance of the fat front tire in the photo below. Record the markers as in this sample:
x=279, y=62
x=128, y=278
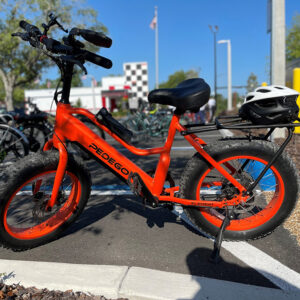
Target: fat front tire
x=24, y=192
x=272, y=201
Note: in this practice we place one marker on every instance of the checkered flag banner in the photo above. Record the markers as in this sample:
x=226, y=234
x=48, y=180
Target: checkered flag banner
x=136, y=76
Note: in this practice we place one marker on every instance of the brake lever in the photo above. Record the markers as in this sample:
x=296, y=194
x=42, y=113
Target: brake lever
x=22, y=35
x=70, y=58
x=26, y=37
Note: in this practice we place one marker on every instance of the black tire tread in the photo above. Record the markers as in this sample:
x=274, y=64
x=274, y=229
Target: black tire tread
x=14, y=177
x=223, y=146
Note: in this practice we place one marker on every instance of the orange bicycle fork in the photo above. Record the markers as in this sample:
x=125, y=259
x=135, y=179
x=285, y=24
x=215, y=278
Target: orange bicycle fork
x=68, y=127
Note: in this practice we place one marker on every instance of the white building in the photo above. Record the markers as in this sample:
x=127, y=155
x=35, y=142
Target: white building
x=115, y=90
x=84, y=96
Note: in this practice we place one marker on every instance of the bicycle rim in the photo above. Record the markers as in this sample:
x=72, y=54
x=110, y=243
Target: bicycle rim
x=11, y=145
x=259, y=208
x=25, y=216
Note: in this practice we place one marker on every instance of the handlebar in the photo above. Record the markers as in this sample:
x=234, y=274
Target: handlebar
x=55, y=46
x=34, y=36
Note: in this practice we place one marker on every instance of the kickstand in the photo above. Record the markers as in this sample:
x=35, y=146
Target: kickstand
x=215, y=256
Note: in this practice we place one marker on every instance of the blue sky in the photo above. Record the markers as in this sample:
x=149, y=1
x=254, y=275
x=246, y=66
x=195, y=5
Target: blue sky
x=185, y=40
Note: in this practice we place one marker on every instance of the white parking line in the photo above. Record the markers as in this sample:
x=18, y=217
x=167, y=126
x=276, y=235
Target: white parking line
x=284, y=277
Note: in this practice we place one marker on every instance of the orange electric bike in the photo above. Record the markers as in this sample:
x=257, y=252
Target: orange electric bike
x=238, y=189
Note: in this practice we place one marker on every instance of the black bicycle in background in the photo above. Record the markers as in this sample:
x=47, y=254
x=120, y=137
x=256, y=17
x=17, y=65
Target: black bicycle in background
x=35, y=125
x=13, y=143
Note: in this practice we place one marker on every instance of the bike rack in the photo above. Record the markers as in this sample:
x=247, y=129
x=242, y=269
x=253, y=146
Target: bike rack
x=234, y=123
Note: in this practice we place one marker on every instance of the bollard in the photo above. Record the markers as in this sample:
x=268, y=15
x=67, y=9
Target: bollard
x=296, y=86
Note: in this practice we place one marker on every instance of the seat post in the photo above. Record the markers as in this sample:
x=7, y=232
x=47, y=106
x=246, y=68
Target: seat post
x=178, y=112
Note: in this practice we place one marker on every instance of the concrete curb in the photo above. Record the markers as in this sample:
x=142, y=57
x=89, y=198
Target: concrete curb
x=133, y=283
x=141, y=283
x=98, y=280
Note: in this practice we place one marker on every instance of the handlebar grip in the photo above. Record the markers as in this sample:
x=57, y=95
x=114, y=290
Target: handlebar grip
x=31, y=29
x=98, y=60
x=96, y=38
x=25, y=36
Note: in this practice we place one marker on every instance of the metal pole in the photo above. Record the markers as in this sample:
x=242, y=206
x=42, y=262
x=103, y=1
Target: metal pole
x=278, y=42
x=214, y=30
x=215, y=63
x=278, y=50
x=229, y=103
x=229, y=85
x=93, y=92
x=156, y=49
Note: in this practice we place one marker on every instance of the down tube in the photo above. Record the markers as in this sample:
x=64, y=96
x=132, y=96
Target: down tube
x=107, y=154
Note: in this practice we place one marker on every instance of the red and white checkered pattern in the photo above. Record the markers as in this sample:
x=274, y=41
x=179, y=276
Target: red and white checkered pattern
x=136, y=76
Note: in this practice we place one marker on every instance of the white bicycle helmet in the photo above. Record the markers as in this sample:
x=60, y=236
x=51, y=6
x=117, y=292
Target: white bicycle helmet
x=270, y=105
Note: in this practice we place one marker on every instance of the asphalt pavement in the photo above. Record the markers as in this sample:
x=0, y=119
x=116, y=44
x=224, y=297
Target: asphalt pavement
x=117, y=230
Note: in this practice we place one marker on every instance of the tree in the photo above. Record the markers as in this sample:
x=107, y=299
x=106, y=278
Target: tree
x=222, y=105
x=78, y=103
x=20, y=64
x=177, y=77
x=293, y=39
x=251, y=82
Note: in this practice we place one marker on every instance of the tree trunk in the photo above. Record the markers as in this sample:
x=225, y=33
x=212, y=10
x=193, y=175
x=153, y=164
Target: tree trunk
x=9, y=97
x=8, y=82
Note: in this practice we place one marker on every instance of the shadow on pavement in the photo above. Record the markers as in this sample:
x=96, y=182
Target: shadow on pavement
x=199, y=265
x=98, y=209
x=208, y=288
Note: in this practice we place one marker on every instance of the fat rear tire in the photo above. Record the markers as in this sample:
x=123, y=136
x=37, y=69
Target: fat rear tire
x=197, y=167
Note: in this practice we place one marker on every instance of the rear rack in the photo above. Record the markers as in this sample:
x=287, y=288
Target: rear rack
x=234, y=123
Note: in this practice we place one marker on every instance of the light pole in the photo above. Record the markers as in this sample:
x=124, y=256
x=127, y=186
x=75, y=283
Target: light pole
x=229, y=85
x=214, y=30
x=93, y=89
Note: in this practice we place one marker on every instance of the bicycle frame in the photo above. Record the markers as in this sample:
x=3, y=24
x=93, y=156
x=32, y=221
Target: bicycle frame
x=68, y=127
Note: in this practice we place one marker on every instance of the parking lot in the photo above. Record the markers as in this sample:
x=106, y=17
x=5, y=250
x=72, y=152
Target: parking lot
x=115, y=229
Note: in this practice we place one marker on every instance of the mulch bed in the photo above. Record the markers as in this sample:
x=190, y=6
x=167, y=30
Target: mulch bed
x=18, y=292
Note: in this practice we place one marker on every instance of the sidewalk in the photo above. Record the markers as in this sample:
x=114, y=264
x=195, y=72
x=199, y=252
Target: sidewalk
x=132, y=283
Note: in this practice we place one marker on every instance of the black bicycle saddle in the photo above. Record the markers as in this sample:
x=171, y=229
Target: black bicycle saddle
x=190, y=94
